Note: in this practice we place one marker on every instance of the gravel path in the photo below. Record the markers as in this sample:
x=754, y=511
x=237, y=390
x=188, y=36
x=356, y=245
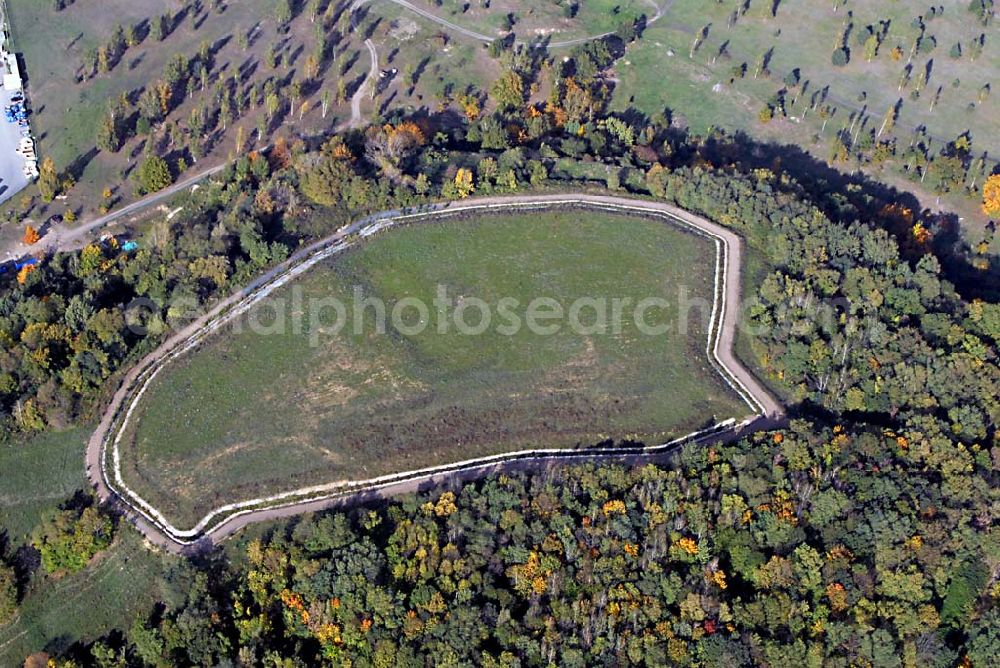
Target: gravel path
x=356, y=119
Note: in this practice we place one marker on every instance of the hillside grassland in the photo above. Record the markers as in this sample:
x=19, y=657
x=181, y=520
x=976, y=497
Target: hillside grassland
x=665, y=69
x=803, y=36
x=121, y=583
x=36, y=474
x=247, y=414
x=69, y=105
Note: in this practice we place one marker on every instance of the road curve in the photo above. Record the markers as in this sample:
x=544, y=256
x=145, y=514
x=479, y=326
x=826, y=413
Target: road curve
x=110, y=487
x=68, y=237
x=356, y=119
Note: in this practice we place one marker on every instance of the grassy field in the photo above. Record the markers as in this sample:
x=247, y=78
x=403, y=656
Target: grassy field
x=249, y=413
x=664, y=71
x=36, y=474
x=123, y=582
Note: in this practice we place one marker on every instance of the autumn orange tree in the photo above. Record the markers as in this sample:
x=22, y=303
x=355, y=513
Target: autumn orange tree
x=461, y=186
x=31, y=235
x=578, y=101
x=388, y=146
x=26, y=270
x=470, y=107
x=991, y=195
x=280, y=156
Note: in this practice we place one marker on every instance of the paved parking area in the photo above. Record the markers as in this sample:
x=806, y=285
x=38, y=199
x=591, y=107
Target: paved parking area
x=12, y=178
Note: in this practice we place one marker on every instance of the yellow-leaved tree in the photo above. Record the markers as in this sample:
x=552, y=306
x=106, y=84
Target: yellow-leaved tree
x=991, y=195
x=463, y=183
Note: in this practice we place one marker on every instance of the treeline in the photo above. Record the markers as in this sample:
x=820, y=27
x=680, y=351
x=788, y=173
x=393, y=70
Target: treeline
x=64, y=323
x=811, y=546
x=848, y=321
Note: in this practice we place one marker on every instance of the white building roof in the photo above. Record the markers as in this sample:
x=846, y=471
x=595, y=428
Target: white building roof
x=12, y=75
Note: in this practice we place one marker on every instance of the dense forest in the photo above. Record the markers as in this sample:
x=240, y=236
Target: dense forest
x=862, y=535
x=811, y=546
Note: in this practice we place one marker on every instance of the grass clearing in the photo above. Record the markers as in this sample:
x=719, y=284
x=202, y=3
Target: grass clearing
x=39, y=473
x=248, y=414
x=123, y=582
x=36, y=476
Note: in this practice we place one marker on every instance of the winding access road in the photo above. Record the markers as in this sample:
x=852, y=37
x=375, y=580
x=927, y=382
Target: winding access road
x=102, y=457
x=357, y=120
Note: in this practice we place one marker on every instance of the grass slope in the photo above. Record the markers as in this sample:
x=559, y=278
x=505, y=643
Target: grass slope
x=37, y=474
x=67, y=112
x=803, y=35
x=123, y=582
x=541, y=18
x=660, y=72
x=248, y=414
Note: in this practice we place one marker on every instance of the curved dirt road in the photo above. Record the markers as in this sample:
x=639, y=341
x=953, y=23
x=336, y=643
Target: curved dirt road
x=356, y=120
x=61, y=237
x=158, y=530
